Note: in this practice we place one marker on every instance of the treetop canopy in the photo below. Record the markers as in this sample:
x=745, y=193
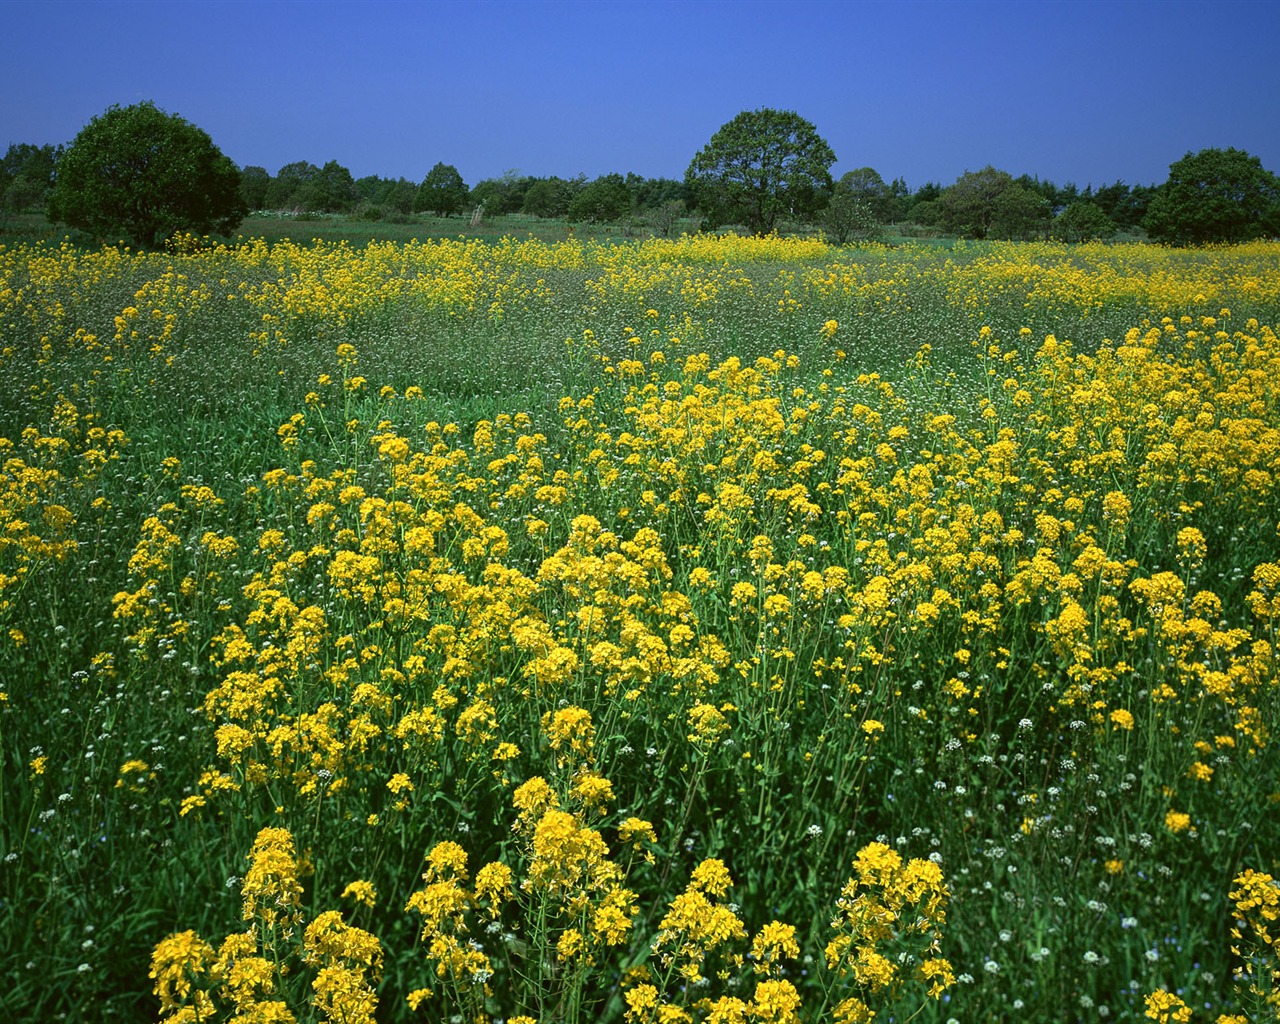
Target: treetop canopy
x=760, y=166
x=139, y=173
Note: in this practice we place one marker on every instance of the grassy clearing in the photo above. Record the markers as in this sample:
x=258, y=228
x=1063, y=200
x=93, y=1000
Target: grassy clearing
x=722, y=626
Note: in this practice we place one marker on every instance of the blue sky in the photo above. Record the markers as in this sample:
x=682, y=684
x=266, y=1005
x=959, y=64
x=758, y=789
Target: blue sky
x=1075, y=91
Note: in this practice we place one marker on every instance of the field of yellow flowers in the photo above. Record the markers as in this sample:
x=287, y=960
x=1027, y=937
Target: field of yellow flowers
x=709, y=630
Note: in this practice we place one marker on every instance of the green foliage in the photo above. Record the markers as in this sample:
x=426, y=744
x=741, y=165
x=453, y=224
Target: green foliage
x=26, y=175
x=1216, y=195
x=988, y=202
x=761, y=166
x=866, y=184
x=653, y=193
x=1083, y=221
x=385, y=196
x=1124, y=205
x=550, y=197
x=254, y=184
x=1057, y=197
x=920, y=207
x=501, y=195
x=141, y=174
x=282, y=193
x=664, y=218
x=605, y=199
x=398, y=196
x=442, y=191
x=332, y=189
x=1020, y=213
x=848, y=215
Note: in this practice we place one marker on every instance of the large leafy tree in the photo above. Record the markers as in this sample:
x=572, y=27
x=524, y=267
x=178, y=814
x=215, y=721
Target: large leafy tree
x=761, y=166
x=442, y=191
x=1020, y=213
x=140, y=174
x=1216, y=195
x=968, y=207
x=990, y=204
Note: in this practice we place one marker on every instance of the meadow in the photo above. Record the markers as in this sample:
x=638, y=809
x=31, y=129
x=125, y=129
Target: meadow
x=710, y=629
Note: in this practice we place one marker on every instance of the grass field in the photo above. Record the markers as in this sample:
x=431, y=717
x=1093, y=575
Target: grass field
x=31, y=227
x=715, y=629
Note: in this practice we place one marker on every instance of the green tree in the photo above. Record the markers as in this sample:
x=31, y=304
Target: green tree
x=550, y=197
x=1020, y=213
x=398, y=196
x=652, y=193
x=920, y=206
x=1216, y=195
x=761, y=166
x=501, y=195
x=866, y=184
x=283, y=190
x=848, y=215
x=1124, y=205
x=141, y=174
x=442, y=191
x=254, y=182
x=27, y=175
x=1083, y=221
x=968, y=207
x=605, y=199
x=330, y=190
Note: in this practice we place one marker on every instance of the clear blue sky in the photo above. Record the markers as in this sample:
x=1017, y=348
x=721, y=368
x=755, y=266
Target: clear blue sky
x=1076, y=91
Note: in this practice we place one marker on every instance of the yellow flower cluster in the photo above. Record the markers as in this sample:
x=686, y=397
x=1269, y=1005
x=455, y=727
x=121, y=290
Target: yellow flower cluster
x=887, y=934
x=47, y=484
x=249, y=974
x=570, y=898
x=889, y=930
x=1256, y=935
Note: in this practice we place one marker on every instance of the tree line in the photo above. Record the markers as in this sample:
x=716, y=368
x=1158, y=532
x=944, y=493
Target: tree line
x=304, y=187
x=762, y=171
x=28, y=173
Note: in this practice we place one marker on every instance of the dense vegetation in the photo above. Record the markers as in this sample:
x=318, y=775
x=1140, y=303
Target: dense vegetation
x=714, y=629
x=764, y=171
